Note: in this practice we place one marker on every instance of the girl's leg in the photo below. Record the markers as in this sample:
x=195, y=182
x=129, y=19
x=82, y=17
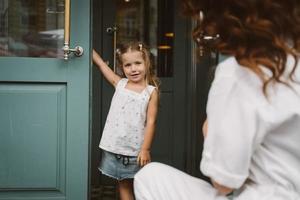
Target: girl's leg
x=126, y=189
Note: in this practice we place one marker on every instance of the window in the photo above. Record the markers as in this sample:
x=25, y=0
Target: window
x=150, y=21
x=31, y=28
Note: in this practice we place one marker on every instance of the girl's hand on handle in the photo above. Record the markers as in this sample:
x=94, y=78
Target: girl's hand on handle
x=144, y=157
x=109, y=74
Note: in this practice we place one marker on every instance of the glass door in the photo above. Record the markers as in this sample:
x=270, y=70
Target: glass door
x=150, y=21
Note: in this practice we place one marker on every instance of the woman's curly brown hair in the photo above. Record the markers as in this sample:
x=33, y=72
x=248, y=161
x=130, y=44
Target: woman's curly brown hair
x=256, y=32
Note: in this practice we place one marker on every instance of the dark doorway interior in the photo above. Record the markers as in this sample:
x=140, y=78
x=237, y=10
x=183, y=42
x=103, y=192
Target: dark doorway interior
x=184, y=82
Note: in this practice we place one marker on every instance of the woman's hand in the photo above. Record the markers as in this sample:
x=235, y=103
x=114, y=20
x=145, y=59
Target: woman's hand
x=223, y=190
x=144, y=157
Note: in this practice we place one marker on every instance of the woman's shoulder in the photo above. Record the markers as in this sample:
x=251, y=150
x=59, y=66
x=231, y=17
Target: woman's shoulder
x=229, y=68
x=231, y=76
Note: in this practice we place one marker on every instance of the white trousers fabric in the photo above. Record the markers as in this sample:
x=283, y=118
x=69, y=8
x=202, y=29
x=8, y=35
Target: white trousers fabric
x=158, y=181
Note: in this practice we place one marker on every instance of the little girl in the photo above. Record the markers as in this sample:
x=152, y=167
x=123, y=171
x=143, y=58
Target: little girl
x=130, y=124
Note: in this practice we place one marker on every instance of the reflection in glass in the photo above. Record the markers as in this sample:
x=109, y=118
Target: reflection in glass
x=31, y=28
x=149, y=21
x=165, y=38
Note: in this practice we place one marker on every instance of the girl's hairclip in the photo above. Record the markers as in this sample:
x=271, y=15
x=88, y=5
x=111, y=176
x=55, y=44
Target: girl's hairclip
x=141, y=47
x=118, y=51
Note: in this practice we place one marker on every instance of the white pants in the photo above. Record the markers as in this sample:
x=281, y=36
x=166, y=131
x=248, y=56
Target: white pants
x=158, y=181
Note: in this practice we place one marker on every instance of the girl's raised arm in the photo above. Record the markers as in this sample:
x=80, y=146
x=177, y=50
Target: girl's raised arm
x=109, y=74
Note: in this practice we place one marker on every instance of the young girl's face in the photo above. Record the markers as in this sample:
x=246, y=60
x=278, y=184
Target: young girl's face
x=134, y=66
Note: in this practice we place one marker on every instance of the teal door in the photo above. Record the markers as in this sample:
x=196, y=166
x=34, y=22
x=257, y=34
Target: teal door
x=44, y=101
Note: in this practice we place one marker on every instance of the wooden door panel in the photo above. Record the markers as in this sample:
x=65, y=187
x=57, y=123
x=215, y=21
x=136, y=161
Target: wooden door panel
x=32, y=136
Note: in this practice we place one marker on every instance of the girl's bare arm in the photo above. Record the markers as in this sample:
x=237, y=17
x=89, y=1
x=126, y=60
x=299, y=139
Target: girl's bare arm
x=109, y=74
x=144, y=156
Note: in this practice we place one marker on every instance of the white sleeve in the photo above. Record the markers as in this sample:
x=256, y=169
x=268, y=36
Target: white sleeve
x=228, y=146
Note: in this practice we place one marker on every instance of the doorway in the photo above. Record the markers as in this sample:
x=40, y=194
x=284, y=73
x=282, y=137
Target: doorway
x=184, y=83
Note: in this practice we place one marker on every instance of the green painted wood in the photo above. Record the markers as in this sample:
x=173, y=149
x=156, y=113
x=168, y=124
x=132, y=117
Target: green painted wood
x=32, y=145
x=44, y=121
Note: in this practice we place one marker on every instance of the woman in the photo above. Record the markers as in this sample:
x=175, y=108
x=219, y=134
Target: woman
x=252, y=135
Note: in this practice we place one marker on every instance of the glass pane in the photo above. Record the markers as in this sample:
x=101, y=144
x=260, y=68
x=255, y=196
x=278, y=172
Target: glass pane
x=165, y=38
x=150, y=21
x=31, y=28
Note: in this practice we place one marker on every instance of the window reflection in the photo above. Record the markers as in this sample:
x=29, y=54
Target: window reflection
x=150, y=21
x=30, y=28
x=165, y=38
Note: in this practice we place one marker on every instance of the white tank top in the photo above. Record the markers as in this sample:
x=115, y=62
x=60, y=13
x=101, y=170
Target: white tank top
x=123, y=132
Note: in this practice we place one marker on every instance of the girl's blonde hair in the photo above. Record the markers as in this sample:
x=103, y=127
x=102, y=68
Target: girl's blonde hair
x=151, y=77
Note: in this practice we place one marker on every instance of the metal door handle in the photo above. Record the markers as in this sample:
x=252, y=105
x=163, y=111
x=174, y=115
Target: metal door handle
x=78, y=50
x=204, y=40
x=113, y=30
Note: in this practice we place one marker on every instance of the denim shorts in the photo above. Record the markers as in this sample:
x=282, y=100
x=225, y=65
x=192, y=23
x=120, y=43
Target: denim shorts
x=118, y=166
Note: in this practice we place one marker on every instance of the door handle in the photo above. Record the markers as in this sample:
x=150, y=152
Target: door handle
x=204, y=40
x=78, y=50
x=113, y=30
